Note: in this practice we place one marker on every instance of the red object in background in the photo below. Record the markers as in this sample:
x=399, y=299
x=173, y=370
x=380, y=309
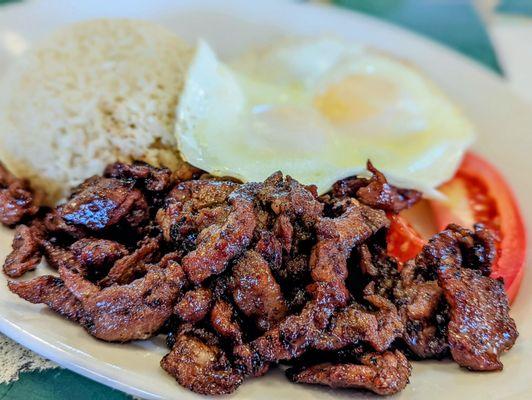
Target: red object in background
x=479, y=193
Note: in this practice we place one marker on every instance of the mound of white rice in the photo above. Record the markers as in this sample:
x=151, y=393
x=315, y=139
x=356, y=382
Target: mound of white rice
x=91, y=94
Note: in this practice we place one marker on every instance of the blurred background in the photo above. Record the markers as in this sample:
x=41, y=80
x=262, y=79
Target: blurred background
x=495, y=33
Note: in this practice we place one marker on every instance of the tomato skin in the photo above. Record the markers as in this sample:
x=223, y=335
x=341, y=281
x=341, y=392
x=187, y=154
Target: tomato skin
x=479, y=193
x=403, y=242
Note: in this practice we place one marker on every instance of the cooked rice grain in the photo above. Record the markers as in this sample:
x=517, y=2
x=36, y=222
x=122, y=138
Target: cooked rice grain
x=91, y=94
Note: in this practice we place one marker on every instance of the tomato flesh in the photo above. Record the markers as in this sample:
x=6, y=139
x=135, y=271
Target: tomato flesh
x=479, y=193
x=403, y=242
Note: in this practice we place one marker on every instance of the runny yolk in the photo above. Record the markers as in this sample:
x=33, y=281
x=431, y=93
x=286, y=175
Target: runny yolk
x=355, y=98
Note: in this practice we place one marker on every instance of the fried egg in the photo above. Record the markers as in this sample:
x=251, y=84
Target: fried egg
x=317, y=110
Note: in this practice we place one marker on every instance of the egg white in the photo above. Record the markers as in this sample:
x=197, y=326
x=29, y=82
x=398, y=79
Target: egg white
x=318, y=109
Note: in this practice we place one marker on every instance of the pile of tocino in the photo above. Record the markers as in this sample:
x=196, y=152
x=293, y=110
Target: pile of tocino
x=242, y=277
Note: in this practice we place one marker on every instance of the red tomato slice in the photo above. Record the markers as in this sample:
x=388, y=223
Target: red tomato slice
x=479, y=193
x=403, y=242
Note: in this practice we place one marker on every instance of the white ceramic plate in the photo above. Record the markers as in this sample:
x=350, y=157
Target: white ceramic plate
x=504, y=123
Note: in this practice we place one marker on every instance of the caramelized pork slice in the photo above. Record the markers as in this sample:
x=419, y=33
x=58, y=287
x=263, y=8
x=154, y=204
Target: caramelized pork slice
x=286, y=196
x=60, y=229
x=198, y=363
x=18, y=202
x=455, y=247
x=121, y=313
x=417, y=302
x=422, y=308
x=143, y=175
x=100, y=203
x=27, y=253
x=97, y=256
x=424, y=313
x=376, y=192
x=223, y=322
x=59, y=257
x=220, y=243
x=283, y=229
x=423, y=301
x=294, y=334
x=382, y=373
x=270, y=248
x=51, y=291
x=337, y=237
x=256, y=292
x=125, y=269
x=480, y=328
x=356, y=323
x=187, y=172
x=192, y=206
x=194, y=305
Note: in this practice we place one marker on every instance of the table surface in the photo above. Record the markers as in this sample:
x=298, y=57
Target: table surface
x=454, y=23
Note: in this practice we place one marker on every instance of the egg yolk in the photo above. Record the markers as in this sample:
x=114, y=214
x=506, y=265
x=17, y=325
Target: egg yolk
x=355, y=98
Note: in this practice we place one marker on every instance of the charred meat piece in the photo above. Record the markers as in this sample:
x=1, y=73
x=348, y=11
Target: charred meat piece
x=224, y=323
x=97, y=255
x=169, y=258
x=26, y=254
x=284, y=232
x=420, y=304
x=51, y=291
x=18, y=202
x=425, y=319
x=355, y=323
x=457, y=246
x=288, y=197
x=295, y=333
x=187, y=172
x=376, y=192
x=130, y=266
x=144, y=175
x=192, y=206
x=380, y=272
x=295, y=270
x=270, y=248
x=220, y=243
x=477, y=327
x=58, y=257
x=194, y=305
x=57, y=227
x=202, y=193
x=382, y=373
x=303, y=329
x=198, y=363
x=367, y=264
x=288, y=266
x=338, y=236
x=256, y=292
x=121, y=313
x=427, y=338
x=420, y=299
x=480, y=329
x=347, y=187
x=99, y=203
